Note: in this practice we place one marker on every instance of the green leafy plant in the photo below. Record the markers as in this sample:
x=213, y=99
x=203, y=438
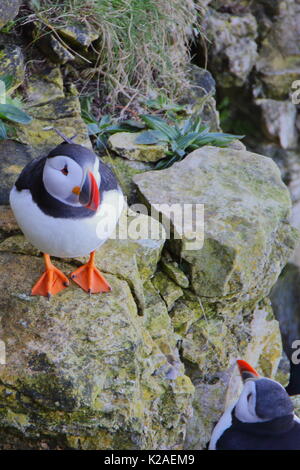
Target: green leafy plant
x=10, y=111
x=182, y=137
x=106, y=125
x=163, y=104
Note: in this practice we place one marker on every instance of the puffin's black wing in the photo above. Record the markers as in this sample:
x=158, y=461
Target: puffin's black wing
x=108, y=180
x=30, y=174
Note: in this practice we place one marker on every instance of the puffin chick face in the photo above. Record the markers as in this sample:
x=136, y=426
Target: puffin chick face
x=70, y=183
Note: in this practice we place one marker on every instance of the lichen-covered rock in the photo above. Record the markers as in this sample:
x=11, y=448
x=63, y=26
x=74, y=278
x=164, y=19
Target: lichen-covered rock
x=56, y=50
x=13, y=157
x=8, y=224
x=89, y=372
x=46, y=86
x=233, y=40
x=8, y=11
x=171, y=268
x=12, y=64
x=123, y=143
x=247, y=238
x=62, y=113
x=125, y=169
x=225, y=314
x=279, y=58
x=79, y=36
x=169, y=291
x=279, y=121
x=198, y=98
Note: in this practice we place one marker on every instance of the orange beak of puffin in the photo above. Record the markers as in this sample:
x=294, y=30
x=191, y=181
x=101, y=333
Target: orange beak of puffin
x=246, y=371
x=89, y=194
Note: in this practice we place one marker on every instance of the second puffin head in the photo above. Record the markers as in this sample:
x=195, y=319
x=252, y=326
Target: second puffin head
x=262, y=399
x=71, y=175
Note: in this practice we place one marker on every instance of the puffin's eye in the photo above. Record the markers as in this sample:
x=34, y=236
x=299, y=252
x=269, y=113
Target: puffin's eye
x=65, y=170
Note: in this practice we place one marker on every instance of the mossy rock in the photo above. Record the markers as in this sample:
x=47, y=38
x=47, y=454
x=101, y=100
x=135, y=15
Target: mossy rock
x=240, y=246
x=124, y=144
x=12, y=64
x=8, y=11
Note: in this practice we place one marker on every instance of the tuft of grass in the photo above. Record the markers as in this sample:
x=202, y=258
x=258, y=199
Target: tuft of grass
x=143, y=43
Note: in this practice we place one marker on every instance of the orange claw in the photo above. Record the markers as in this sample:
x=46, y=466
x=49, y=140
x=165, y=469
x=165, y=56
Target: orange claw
x=89, y=278
x=51, y=282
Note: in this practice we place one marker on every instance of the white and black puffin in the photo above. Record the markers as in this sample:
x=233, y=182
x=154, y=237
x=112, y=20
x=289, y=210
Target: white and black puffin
x=262, y=419
x=67, y=204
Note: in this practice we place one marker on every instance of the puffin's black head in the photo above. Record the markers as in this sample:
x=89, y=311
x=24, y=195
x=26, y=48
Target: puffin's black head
x=262, y=399
x=71, y=175
x=272, y=401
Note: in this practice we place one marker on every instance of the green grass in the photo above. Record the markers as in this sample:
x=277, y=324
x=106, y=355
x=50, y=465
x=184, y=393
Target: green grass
x=143, y=42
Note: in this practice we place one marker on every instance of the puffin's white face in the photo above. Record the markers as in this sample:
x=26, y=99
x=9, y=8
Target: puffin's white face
x=61, y=177
x=245, y=407
x=67, y=181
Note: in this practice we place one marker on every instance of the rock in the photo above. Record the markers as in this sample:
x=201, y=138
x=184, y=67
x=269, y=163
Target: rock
x=78, y=36
x=225, y=315
x=198, y=98
x=86, y=379
x=69, y=43
x=45, y=87
x=88, y=372
x=246, y=208
x=8, y=11
x=186, y=312
x=172, y=270
x=157, y=321
x=62, y=113
x=289, y=163
x=279, y=120
x=134, y=260
x=8, y=224
x=12, y=64
x=234, y=51
x=279, y=59
x=123, y=143
x=124, y=170
x=13, y=157
x=57, y=51
x=156, y=318
x=169, y=291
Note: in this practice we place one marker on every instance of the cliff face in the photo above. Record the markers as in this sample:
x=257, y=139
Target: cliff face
x=150, y=365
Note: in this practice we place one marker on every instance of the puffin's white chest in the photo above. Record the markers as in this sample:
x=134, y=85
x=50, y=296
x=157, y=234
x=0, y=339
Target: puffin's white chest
x=223, y=424
x=66, y=238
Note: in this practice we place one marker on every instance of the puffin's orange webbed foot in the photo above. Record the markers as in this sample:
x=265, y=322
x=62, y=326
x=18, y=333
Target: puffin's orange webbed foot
x=89, y=278
x=51, y=282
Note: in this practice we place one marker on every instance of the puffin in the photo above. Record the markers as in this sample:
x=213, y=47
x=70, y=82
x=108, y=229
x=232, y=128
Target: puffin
x=262, y=419
x=67, y=204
